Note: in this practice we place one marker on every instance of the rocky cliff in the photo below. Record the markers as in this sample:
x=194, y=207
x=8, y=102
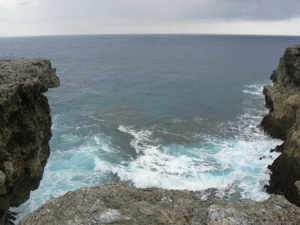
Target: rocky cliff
x=283, y=121
x=25, y=127
x=121, y=204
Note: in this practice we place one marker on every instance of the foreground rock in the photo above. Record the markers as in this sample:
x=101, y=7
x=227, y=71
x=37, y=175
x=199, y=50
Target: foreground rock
x=283, y=121
x=25, y=127
x=121, y=204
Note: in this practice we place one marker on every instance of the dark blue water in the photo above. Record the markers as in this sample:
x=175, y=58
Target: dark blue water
x=170, y=111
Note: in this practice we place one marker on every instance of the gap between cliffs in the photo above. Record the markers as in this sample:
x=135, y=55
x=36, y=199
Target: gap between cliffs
x=25, y=123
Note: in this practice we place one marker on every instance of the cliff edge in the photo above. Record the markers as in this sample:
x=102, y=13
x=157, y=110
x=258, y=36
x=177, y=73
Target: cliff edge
x=121, y=204
x=283, y=122
x=25, y=127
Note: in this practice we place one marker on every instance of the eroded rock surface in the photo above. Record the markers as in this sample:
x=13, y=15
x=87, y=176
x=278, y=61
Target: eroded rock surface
x=283, y=97
x=283, y=121
x=121, y=204
x=25, y=127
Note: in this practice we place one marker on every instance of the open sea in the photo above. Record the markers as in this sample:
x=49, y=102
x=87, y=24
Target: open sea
x=169, y=111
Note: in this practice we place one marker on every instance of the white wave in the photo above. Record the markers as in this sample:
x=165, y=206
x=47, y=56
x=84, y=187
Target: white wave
x=232, y=160
x=218, y=163
x=198, y=120
x=69, y=169
x=177, y=120
x=139, y=137
x=238, y=160
x=254, y=89
x=252, y=92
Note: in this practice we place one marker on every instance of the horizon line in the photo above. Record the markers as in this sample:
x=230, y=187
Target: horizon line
x=116, y=34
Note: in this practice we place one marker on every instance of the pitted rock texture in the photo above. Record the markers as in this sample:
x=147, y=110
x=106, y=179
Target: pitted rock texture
x=121, y=204
x=283, y=97
x=25, y=127
x=283, y=122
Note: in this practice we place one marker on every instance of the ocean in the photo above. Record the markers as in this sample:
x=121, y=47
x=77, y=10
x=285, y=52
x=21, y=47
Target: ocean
x=168, y=111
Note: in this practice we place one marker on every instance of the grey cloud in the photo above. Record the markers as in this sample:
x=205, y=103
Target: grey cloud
x=23, y=3
x=263, y=10
x=201, y=9
x=98, y=16
x=173, y=10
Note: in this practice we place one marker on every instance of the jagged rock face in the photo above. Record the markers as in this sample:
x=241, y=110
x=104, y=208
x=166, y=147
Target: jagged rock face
x=121, y=204
x=288, y=72
x=284, y=103
x=283, y=98
x=25, y=127
x=283, y=121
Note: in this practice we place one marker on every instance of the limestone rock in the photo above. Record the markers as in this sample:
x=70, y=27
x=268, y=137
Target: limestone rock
x=25, y=127
x=121, y=204
x=283, y=98
x=2, y=178
x=284, y=103
x=288, y=72
x=283, y=121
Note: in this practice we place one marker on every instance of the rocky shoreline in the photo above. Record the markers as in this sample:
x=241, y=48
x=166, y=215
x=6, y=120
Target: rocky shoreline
x=26, y=130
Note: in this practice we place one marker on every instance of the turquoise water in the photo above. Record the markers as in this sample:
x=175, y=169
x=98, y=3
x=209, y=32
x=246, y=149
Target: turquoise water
x=169, y=111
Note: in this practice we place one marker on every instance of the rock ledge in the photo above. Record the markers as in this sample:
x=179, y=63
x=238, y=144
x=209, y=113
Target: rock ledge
x=121, y=204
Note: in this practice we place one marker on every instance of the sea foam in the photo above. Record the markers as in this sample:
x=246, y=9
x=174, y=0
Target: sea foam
x=230, y=164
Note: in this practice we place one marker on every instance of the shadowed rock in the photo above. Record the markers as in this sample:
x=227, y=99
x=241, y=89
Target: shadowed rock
x=283, y=122
x=25, y=127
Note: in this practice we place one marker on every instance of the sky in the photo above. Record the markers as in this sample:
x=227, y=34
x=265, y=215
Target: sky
x=67, y=17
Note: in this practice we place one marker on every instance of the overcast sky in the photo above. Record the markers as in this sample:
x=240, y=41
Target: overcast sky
x=55, y=17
